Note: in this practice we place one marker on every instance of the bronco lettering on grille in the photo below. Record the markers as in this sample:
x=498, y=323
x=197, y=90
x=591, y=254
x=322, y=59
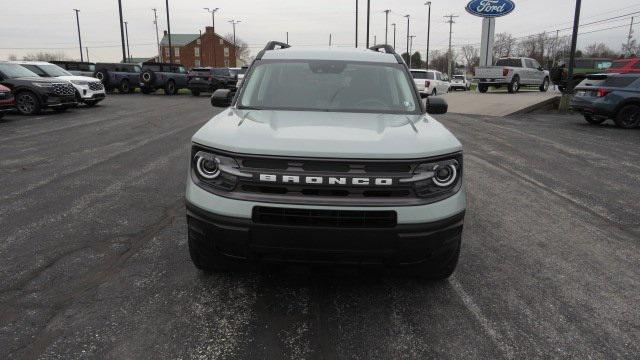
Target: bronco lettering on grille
x=325, y=180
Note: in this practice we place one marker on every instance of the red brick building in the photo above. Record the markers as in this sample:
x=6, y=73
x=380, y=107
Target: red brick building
x=195, y=50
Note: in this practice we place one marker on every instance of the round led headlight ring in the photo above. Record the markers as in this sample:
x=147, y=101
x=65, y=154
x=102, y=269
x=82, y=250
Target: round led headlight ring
x=207, y=168
x=445, y=175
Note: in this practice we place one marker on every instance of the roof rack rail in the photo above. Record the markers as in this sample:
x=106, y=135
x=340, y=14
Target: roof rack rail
x=388, y=49
x=271, y=45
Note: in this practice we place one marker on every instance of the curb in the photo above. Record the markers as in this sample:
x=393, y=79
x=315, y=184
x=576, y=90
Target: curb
x=551, y=103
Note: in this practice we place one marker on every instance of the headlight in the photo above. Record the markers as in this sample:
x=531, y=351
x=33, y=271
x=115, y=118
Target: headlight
x=439, y=179
x=214, y=170
x=42, y=84
x=80, y=82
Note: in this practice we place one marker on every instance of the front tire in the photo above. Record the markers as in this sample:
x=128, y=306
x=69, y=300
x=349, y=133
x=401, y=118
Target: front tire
x=514, y=85
x=442, y=263
x=483, y=88
x=628, y=117
x=545, y=85
x=124, y=87
x=28, y=103
x=206, y=257
x=170, y=88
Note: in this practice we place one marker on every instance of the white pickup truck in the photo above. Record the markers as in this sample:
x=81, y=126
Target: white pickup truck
x=513, y=73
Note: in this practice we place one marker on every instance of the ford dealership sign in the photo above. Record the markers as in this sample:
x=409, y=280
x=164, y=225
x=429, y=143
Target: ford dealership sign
x=490, y=8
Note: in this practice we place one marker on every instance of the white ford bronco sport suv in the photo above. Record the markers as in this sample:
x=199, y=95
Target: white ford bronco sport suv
x=326, y=156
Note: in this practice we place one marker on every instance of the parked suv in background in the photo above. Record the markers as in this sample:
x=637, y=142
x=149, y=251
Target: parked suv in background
x=77, y=67
x=326, y=156
x=123, y=77
x=33, y=93
x=625, y=66
x=615, y=96
x=430, y=82
x=207, y=79
x=89, y=90
x=513, y=73
x=166, y=76
x=7, y=101
x=460, y=82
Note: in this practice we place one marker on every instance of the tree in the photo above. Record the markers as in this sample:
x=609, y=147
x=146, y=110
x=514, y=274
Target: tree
x=504, y=45
x=12, y=57
x=599, y=50
x=438, y=61
x=242, y=51
x=631, y=48
x=45, y=56
x=471, y=58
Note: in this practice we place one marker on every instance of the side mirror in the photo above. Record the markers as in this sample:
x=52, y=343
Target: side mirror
x=436, y=105
x=221, y=98
x=540, y=68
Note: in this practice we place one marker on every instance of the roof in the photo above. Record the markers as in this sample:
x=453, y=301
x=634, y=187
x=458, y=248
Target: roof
x=21, y=62
x=424, y=70
x=179, y=39
x=330, y=53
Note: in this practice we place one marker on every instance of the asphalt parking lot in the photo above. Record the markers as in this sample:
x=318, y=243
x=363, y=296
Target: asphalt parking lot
x=94, y=260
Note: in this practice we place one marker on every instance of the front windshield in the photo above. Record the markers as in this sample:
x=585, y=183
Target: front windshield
x=329, y=86
x=459, y=77
x=54, y=70
x=12, y=71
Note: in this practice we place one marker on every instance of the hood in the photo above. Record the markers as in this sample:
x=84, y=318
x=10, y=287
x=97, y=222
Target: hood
x=327, y=134
x=41, y=79
x=77, y=78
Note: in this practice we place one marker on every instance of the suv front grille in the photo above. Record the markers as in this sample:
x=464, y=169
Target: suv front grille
x=62, y=89
x=324, y=218
x=96, y=86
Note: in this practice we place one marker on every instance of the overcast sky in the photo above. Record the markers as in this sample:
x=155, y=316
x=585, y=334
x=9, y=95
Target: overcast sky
x=31, y=25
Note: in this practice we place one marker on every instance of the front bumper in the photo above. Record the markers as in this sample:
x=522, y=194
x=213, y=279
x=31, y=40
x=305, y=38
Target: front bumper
x=85, y=93
x=55, y=101
x=230, y=226
x=245, y=239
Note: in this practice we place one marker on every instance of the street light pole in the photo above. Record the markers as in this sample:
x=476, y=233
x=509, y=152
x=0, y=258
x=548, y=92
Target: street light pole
x=394, y=35
x=368, y=19
x=235, y=47
x=126, y=32
x=357, y=23
x=408, y=55
x=169, y=33
x=79, y=37
x=155, y=22
x=410, y=49
x=386, y=26
x=428, y=3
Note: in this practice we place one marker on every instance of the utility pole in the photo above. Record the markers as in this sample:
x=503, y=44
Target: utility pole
x=126, y=32
x=155, y=22
x=287, y=42
x=574, y=40
x=428, y=3
x=235, y=47
x=357, y=23
x=410, y=49
x=87, y=50
x=79, y=37
x=234, y=22
x=555, y=49
x=124, y=54
x=408, y=55
x=629, y=37
x=213, y=25
x=169, y=33
x=368, y=20
x=386, y=26
x=329, y=39
x=394, y=35
x=450, y=54
x=375, y=40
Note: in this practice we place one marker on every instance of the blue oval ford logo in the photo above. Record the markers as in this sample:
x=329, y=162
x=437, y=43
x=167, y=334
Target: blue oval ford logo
x=490, y=8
